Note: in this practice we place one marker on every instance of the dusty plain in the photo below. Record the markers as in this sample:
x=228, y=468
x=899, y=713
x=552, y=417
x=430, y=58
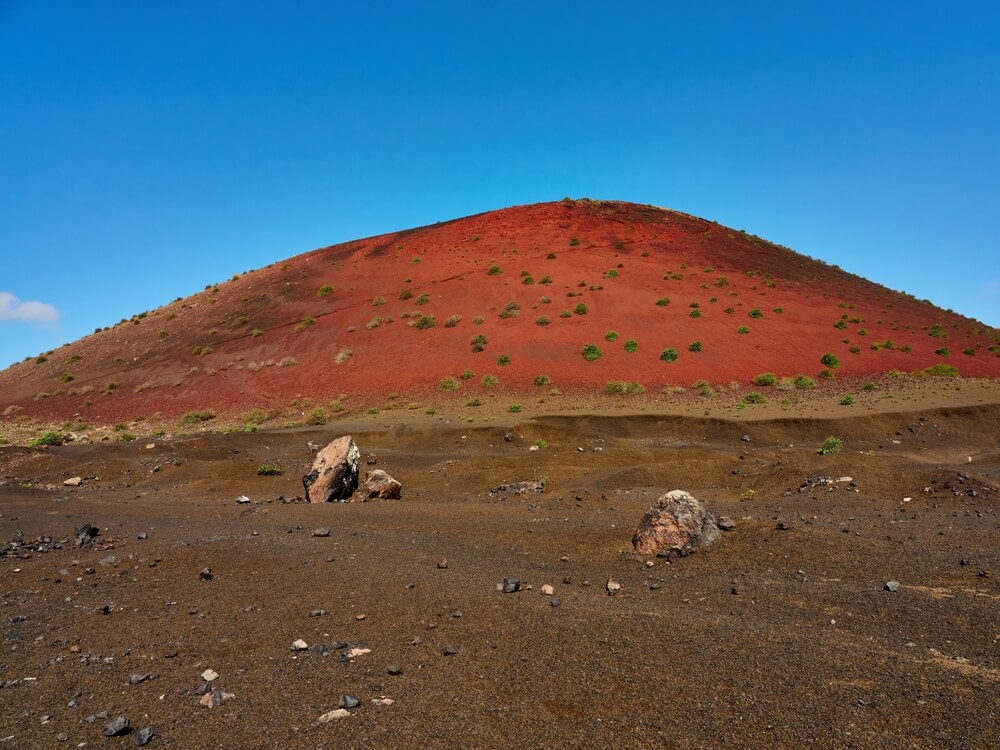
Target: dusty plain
x=781, y=635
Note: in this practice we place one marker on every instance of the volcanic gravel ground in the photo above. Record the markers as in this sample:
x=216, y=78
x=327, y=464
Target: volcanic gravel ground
x=772, y=637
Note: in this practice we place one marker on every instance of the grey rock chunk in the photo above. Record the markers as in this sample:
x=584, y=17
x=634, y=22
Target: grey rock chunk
x=143, y=736
x=118, y=727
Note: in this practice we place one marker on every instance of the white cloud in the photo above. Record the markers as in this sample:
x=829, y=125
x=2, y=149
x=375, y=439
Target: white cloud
x=11, y=308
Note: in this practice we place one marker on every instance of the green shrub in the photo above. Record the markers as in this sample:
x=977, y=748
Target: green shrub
x=423, y=299
x=742, y=330
x=503, y=360
x=542, y=320
x=591, y=352
x=937, y=332
x=270, y=470
x=574, y=242
x=631, y=346
x=467, y=374
x=514, y=408
x=943, y=352
x=510, y=310
x=474, y=402
x=622, y=388
x=316, y=417
x=766, y=378
x=542, y=380
x=494, y=270
x=830, y=361
x=663, y=302
x=755, y=313
x=424, y=322
x=868, y=386
x=611, y=336
x=448, y=384
x=940, y=371
x=324, y=290
x=194, y=417
x=47, y=438
x=377, y=301
x=832, y=444
x=846, y=400
x=694, y=346
x=489, y=381
x=803, y=382
x=527, y=280
x=306, y=322
x=669, y=354
x=754, y=398
x=256, y=332
x=696, y=313
x=405, y=294
x=565, y=314
x=580, y=309
x=478, y=342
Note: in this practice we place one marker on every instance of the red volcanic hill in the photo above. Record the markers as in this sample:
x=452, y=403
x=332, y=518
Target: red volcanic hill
x=666, y=298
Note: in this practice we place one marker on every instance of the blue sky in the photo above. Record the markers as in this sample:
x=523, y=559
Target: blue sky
x=149, y=149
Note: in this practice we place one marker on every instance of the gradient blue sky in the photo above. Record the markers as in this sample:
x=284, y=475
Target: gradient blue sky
x=148, y=149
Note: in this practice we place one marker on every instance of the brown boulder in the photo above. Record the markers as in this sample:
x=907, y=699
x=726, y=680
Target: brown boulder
x=380, y=485
x=334, y=475
x=678, y=524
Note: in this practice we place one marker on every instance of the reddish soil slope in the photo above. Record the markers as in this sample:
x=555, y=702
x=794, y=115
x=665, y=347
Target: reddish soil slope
x=398, y=313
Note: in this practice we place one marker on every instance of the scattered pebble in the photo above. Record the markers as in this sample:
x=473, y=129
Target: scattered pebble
x=299, y=645
x=209, y=675
x=206, y=574
x=118, y=727
x=324, y=531
x=349, y=701
x=143, y=736
x=613, y=587
x=394, y=669
x=337, y=713
x=892, y=586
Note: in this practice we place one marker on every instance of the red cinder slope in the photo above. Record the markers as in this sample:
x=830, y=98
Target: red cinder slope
x=398, y=313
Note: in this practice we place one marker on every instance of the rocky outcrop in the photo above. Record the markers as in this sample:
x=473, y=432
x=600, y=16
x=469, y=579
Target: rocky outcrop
x=334, y=475
x=677, y=525
x=378, y=484
x=520, y=487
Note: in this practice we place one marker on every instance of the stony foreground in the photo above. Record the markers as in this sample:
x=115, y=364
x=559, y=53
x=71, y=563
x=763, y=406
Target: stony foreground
x=272, y=622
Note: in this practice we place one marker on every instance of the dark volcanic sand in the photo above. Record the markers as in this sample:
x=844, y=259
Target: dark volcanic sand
x=769, y=638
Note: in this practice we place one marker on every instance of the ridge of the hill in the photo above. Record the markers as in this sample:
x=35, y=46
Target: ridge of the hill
x=567, y=295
